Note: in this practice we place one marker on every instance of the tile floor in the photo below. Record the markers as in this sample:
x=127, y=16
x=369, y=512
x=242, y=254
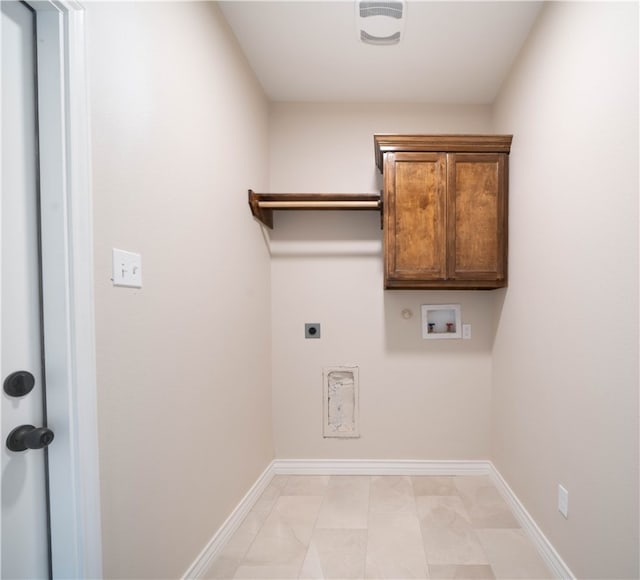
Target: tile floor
x=379, y=527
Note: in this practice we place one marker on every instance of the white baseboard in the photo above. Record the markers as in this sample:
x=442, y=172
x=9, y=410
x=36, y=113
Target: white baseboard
x=556, y=564
x=378, y=467
x=204, y=560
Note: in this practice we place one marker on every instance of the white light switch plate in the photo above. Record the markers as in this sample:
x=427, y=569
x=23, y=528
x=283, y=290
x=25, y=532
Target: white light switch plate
x=127, y=269
x=466, y=331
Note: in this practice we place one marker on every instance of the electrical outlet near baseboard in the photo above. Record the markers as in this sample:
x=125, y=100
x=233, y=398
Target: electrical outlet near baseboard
x=563, y=501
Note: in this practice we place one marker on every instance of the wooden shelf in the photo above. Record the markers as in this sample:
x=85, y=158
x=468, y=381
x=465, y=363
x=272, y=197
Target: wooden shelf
x=263, y=204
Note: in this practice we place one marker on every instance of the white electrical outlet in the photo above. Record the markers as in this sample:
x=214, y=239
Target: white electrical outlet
x=563, y=501
x=127, y=269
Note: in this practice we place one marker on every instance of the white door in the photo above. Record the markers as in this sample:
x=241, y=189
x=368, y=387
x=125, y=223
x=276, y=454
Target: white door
x=25, y=538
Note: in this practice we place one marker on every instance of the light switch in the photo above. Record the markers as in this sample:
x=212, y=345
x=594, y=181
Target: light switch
x=127, y=269
x=466, y=331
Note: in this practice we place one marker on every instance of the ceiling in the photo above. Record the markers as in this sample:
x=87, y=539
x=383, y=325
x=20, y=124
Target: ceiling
x=450, y=52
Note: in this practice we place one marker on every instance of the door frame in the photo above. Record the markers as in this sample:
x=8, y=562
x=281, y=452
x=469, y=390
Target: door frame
x=68, y=298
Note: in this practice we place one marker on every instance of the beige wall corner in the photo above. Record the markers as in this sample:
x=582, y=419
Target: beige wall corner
x=565, y=360
x=179, y=134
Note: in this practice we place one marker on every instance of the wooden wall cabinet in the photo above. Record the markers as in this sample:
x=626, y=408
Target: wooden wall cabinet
x=444, y=210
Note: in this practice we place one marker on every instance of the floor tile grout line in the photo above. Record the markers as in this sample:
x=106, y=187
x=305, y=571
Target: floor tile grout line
x=369, y=510
x=471, y=527
x=387, y=513
x=366, y=548
x=241, y=560
x=313, y=529
x=315, y=526
x=424, y=545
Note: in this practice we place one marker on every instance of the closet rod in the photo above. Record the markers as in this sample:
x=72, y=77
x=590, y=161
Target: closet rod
x=263, y=204
x=319, y=204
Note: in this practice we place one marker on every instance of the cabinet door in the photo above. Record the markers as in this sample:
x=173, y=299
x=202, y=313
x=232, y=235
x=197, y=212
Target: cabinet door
x=415, y=217
x=477, y=217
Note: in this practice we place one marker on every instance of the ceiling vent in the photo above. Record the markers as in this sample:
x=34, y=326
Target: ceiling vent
x=380, y=23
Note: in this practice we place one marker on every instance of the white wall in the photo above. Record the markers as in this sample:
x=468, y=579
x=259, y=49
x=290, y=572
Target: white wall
x=565, y=361
x=179, y=134
x=418, y=399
